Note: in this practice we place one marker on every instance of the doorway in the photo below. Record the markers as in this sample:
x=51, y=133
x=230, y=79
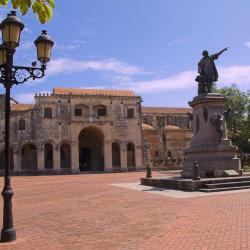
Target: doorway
x=91, y=157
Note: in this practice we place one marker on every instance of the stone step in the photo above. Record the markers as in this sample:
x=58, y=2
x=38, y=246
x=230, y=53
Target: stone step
x=227, y=184
x=229, y=179
x=210, y=190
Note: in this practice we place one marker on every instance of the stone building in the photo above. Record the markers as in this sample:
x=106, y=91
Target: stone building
x=167, y=132
x=74, y=130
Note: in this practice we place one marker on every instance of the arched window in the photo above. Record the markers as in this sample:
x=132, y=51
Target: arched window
x=81, y=110
x=130, y=113
x=100, y=110
x=48, y=155
x=29, y=157
x=65, y=156
x=48, y=113
x=21, y=124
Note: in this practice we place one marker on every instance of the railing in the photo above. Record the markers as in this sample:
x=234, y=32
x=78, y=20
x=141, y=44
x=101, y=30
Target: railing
x=168, y=168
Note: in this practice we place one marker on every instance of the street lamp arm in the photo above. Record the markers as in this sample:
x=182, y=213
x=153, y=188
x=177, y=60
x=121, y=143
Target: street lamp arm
x=22, y=74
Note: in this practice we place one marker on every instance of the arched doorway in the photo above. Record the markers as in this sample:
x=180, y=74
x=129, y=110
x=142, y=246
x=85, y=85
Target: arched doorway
x=48, y=155
x=65, y=156
x=91, y=158
x=116, y=156
x=29, y=157
x=131, y=156
x=2, y=161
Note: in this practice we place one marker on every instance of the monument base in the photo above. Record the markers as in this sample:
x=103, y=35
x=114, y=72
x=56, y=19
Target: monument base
x=210, y=146
x=213, y=160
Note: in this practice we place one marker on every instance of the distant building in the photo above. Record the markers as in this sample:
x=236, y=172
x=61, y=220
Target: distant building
x=167, y=133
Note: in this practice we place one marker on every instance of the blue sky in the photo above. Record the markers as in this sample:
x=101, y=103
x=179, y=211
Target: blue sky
x=149, y=46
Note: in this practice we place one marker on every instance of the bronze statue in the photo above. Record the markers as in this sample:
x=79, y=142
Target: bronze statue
x=207, y=71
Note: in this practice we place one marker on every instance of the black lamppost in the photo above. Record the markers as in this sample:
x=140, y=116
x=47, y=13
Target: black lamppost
x=10, y=75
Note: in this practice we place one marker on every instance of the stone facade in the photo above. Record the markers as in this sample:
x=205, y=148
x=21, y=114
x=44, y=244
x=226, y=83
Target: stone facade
x=167, y=132
x=74, y=130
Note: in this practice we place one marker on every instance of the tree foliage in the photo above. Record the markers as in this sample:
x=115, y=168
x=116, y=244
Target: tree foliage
x=238, y=120
x=42, y=8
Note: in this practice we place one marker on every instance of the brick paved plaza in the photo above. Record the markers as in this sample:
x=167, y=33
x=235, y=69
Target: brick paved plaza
x=85, y=212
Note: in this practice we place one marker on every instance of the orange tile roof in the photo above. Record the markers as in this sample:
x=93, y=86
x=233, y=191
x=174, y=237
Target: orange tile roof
x=166, y=110
x=105, y=92
x=21, y=107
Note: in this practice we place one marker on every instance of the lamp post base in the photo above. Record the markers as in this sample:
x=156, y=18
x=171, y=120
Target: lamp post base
x=8, y=232
x=8, y=235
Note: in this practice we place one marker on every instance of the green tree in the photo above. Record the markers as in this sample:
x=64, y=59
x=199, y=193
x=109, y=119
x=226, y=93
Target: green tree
x=238, y=120
x=42, y=8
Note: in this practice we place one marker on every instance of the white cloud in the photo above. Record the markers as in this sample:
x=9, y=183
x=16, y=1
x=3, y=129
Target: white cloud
x=238, y=74
x=120, y=78
x=68, y=47
x=27, y=30
x=183, y=80
x=75, y=44
x=180, y=41
x=67, y=65
x=247, y=44
x=26, y=45
x=80, y=42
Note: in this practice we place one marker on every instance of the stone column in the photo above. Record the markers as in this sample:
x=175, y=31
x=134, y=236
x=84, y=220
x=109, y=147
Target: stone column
x=56, y=158
x=146, y=153
x=75, y=157
x=108, y=156
x=17, y=159
x=91, y=111
x=138, y=157
x=124, y=165
x=40, y=158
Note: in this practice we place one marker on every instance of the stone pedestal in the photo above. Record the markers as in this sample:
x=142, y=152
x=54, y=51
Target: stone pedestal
x=210, y=146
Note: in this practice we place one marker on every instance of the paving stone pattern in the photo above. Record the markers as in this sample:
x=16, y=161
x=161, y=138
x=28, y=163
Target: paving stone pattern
x=85, y=212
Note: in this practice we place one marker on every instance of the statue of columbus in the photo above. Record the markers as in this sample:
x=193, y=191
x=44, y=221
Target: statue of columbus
x=207, y=71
